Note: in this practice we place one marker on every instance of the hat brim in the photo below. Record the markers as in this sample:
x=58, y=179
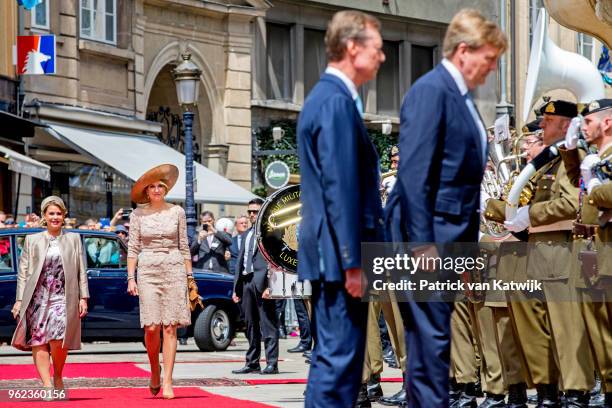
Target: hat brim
x=167, y=173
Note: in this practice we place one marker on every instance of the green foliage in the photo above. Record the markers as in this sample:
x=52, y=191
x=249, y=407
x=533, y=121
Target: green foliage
x=265, y=141
x=383, y=144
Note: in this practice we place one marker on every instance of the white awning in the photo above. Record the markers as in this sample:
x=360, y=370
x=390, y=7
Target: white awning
x=25, y=165
x=131, y=155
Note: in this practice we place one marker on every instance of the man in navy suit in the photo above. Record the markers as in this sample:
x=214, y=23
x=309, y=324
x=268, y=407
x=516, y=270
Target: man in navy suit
x=341, y=207
x=444, y=151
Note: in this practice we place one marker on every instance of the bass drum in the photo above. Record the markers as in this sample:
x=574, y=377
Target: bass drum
x=278, y=228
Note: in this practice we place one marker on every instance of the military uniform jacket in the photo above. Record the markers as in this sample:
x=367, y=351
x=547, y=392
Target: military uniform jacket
x=551, y=211
x=589, y=212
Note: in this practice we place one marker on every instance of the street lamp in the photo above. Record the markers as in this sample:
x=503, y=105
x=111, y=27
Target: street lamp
x=187, y=79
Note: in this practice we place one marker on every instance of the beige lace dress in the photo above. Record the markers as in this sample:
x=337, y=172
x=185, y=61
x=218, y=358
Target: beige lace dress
x=158, y=241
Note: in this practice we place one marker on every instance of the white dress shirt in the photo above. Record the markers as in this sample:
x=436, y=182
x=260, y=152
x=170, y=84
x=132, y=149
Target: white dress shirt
x=345, y=79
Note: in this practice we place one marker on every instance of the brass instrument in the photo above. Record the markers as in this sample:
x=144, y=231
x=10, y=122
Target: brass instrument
x=384, y=194
x=505, y=160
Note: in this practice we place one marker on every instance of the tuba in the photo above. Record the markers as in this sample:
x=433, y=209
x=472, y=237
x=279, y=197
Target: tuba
x=503, y=167
x=550, y=68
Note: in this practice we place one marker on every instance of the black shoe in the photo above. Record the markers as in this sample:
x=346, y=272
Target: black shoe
x=608, y=399
x=493, y=401
x=374, y=389
x=598, y=401
x=454, y=392
x=308, y=361
x=183, y=342
x=270, y=369
x=548, y=396
x=298, y=349
x=307, y=354
x=246, y=370
x=517, y=396
x=362, y=398
x=577, y=399
x=467, y=398
x=396, y=399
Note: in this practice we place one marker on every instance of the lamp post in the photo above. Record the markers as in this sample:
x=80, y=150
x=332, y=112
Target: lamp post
x=187, y=78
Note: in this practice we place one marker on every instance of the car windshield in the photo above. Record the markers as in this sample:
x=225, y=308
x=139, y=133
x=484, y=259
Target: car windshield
x=104, y=252
x=5, y=254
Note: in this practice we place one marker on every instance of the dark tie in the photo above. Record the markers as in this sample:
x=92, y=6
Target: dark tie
x=249, y=261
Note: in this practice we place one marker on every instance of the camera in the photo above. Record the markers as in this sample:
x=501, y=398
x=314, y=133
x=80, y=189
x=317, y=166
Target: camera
x=126, y=214
x=205, y=227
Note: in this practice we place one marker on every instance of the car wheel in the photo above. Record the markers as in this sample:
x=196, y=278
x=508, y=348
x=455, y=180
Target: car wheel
x=213, y=329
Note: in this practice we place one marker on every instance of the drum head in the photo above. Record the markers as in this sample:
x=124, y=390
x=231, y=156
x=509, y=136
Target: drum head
x=278, y=228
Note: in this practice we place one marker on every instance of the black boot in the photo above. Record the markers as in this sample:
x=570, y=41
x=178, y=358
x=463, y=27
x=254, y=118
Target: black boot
x=374, y=388
x=478, y=387
x=548, y=396
x=598, y=401
x=467, y=398
x=362, y=398
x=454, y=391
x=493, y=401
x=397, y=399
x=517, y=396
x=577, y=399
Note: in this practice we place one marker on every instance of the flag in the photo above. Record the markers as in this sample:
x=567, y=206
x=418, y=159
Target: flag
x=605, y=65
x=35, y=54
x=29, y=4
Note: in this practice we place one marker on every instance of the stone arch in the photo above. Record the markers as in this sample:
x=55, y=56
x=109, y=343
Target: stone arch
x=170, y=55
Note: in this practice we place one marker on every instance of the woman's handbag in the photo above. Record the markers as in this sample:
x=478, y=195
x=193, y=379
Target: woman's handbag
x=194, y=295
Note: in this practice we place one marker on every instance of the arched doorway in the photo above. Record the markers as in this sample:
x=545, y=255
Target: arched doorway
x=163, y=107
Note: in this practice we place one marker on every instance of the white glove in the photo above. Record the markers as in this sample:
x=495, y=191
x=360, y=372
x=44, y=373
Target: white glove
x=587, y=164
x=594, y=182
x=484, y=196
x=520, y=220
x=571, y=136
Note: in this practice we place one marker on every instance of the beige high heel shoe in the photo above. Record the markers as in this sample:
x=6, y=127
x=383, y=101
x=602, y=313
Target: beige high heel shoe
x=155, y=390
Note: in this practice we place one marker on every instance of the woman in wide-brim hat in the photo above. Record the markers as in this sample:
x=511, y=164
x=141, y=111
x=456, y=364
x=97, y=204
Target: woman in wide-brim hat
x=158, y=246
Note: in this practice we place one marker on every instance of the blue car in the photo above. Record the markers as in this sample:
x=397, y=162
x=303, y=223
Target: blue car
x=113, y=314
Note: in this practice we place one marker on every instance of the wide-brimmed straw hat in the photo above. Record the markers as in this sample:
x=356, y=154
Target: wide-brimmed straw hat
x=166, y=173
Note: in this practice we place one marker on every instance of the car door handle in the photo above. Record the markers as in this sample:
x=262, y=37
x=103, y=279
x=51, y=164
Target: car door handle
x=92, y=273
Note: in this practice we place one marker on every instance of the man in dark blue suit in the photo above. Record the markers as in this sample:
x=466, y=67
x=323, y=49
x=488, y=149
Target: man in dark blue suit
x=341, y=207
x=444, y=151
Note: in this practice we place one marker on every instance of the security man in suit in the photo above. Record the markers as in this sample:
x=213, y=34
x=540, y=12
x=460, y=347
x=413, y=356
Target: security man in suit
x=341, y=207
x=592, y=233
x=444, y=152
x=251, y=288
x=549, y=219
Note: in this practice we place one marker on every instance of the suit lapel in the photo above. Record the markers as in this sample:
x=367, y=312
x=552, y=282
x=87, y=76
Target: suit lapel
x=461, y=103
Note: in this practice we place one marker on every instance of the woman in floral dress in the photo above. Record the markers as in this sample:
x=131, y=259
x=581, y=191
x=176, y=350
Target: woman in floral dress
x=51, y=295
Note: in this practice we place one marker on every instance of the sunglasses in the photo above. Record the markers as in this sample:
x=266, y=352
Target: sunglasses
x=252, y=211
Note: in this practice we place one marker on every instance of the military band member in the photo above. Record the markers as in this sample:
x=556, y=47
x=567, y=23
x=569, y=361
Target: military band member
x=549, y=258
x=592, y=231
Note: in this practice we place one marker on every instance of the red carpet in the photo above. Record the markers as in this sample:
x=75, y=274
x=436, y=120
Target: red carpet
x=273, y=381
x=75, y=370
x=136, y=397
